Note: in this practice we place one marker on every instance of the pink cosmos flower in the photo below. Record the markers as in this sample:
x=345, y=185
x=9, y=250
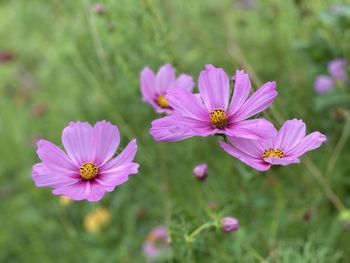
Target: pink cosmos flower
x=86, y=171
x=338, y=75
x=156, y=242
x=155, y=86
x=282, y=148
x=323, y=84
x=210, y=112
x=337, y=69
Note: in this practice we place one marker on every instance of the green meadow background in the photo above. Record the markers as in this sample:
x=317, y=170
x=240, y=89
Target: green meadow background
x=73, y=64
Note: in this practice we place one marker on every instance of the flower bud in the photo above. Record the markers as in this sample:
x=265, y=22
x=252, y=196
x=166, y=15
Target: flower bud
x=229, y=224
x=201, y=171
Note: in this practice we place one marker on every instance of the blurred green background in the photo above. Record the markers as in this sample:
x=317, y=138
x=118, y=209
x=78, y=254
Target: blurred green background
x=70, y=63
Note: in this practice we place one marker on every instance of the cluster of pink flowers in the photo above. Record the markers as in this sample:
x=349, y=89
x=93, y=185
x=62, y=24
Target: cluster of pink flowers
x=337, y=75
x=213, y=111
x=86, y=170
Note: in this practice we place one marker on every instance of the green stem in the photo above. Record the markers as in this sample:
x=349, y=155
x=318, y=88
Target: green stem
x=338, y=148
x=190, y=238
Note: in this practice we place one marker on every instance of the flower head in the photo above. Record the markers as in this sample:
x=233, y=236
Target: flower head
x=229, y=224
x=337, y=69
x=156, y=243
x=201, y=171
x=282, y=148
x=211, y=112
x=86, y=171
x=97, y=219
x=323, y=84
x=154, y=87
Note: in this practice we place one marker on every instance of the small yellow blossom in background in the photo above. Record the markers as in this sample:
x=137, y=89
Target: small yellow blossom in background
x=97, y=219
x=65, y=201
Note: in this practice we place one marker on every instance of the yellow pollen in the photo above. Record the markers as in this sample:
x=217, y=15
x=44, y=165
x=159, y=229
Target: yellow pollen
x=218, y=118
x=88, y=171
x=161, y=101
x=278, y=153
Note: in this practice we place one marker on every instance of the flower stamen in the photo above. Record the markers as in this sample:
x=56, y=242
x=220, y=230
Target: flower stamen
x=277, y=153
x=218, y=118
x=88, y=171
x=162, y=102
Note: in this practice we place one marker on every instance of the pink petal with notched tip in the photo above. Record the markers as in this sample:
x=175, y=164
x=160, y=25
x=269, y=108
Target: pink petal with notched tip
x=164, y=78
x=251, y=129
x=214, y=88
x=241, y=91
x=308, y=143
x=254, y=162
x=290, y=135
x=259, y=101
x=77, y=141
x=148, y=84
x=106, y=141
x=187, y=104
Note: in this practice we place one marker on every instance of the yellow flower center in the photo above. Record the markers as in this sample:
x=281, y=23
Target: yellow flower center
x=161, y=101
x=88, y=171
x=218, y=118
x=278, y=153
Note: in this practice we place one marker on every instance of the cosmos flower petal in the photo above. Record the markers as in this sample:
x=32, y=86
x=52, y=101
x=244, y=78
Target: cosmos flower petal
x=116, y=176
x=259, y=101
x=44, y=176
x=175, y=128
x=281, y=161
x=106, y=141
x=214, y=88
x=309, y=143
x=165, y=77
x=187, y=104
x=184, y=81
x=53, y=155
x=148, y=84
x=251, y=129
x=256, y=163
x=77, y=140
x=125, y=157
x=253, y=148
x=240, y=92
x=82, y=190
x=290, y=134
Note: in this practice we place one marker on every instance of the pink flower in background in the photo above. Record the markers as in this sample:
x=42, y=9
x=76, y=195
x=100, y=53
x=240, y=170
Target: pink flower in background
x=86, y=171
x=282, y=148
x=337, y=69
x=156, y=243
x=210, y=112
x=338, y=75
x=154, y=87
x=323, y=84
x=98, y=8
x=201, y=171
